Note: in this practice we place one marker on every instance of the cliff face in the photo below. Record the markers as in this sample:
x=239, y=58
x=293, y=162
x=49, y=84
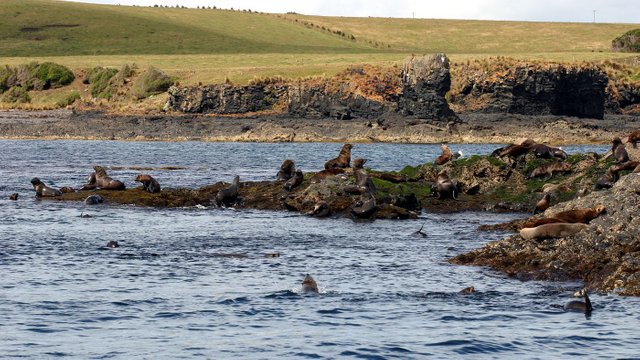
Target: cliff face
x=364, y=92
x=536, y=90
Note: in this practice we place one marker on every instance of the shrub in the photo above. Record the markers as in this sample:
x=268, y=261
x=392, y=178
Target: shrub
x=152, y=81
x=69, y=99
x=16, y=94
x=100, y=80
x=630, y=41
x=53, y=75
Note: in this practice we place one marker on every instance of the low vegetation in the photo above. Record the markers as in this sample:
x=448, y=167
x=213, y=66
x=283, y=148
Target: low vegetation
x=629, y=41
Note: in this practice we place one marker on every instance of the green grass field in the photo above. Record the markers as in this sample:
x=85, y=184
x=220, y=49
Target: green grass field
x=208, y=46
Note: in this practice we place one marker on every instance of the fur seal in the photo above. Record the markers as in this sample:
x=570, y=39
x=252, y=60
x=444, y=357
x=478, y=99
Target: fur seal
x=628, y=165
x=320, y=209
x=420, y=232
x=343, y=160
x=296, y=180
x=309, y=285
x=91, y=182
x=445, y=187
x=363, y=179
x=104, y=181
x=618, y=150
x=85, y=216
x=67, y=190
x=634, y=138
x=94, y=200
x=112, y=244
x=583, y=216
x=607, y=180
x=550, y=169
x=287, y=170
x=636, y=170
x=554, y=230
x=364, y=208
x=543, y=204
x=467, y=291
x=581, y=306
x=148, y=183
x=228, y=196
x=13, y=197
x=321, y=175
x=514, y=150
x=554, y=188
x=358, y=163
x=446, y=155
x=42, y=190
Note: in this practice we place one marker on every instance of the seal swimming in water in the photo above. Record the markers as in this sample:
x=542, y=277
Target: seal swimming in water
x=228, y=196
x=445, y=157
x=554, y=230
x=42, y=190
x=296, y=180
x=94, y=200
x=467, y=291
x=445, y=187
x=149, y=184
x=287, y=170
x=104, y=181
x=343, y=160
x=581, y=306
x=309, y=285
x=13, y=197
x=112, y=244
x=550, y=169
x=543, y=204
x=634, y=138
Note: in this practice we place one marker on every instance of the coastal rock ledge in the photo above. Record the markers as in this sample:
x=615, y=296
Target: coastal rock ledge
x=606, y=255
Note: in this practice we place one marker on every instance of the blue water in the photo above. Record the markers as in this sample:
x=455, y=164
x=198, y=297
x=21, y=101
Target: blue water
x=195, y=283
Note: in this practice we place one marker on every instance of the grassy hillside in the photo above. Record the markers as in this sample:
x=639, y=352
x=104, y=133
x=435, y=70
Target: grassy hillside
x=48, y=27
x=472, y=36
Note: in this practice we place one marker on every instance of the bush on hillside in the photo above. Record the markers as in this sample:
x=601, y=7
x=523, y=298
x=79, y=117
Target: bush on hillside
x=152, y=81
x=100, y=80
x=16, y=94
x=53, y=75
x=69, y=99
x=630, y=41
x=34, y=76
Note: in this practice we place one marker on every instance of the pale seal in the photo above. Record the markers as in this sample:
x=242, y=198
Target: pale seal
x=554, y=230
x=550, y=169
x=446, y=155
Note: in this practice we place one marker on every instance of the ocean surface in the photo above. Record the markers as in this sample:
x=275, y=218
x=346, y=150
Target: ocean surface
x=201, y=282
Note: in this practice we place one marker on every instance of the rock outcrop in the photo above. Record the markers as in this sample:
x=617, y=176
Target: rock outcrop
x=606, y=256
x=536, y=90
x=361, y=92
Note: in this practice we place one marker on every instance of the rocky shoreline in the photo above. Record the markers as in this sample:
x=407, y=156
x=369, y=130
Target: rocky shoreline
x=473, y=128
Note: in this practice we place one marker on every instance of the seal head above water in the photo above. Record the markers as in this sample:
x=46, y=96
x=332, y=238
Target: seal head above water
x=309, y=285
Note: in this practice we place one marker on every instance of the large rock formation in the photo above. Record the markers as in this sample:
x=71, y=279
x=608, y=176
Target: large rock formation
x=359, y=92
x=606, y=256
x=425, y=82
x=536, y=90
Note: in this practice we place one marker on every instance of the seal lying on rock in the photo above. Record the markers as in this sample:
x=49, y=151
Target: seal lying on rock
x=228, y=196
x=309, y=285
x=554, y=230
x=634, y=138
x=445, y=157
x=570, y=216
x=628, y=165
x=514, y=150
x=42, y=190
x=550, y=169
x=445, y=187
x=342, y=161
x=581, y=306
x=148, y=183
x=543, y=204
x=287, y=170
x=364, y=208
x=607, y=180
x=296, y=180
x=320, y=209
x=104, y=181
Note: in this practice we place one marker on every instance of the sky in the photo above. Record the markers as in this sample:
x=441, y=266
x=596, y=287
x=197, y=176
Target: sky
x=618, y=11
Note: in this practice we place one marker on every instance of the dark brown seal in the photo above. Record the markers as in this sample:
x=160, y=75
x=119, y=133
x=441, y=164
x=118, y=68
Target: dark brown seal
x=581, y=306
x=543, y=204
x=287, y=170
x=112, y=244
x=295, y=181
x=550, y=169
x=13, y=197
x=42, y=190
x=514, y=150
x=607, y=180
x=104, y=181
x=320, y=209
x=149, y=183
x=67, y=190
x=324, y=174
x=94, y=199
x=228, y=196
x=618, y=150
x=634, y=138
x=91, y=182
x=309, y=285
x=342, y=161
x=445, y=156
x=629, y=165
x=364, y=208
x=445, y=187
